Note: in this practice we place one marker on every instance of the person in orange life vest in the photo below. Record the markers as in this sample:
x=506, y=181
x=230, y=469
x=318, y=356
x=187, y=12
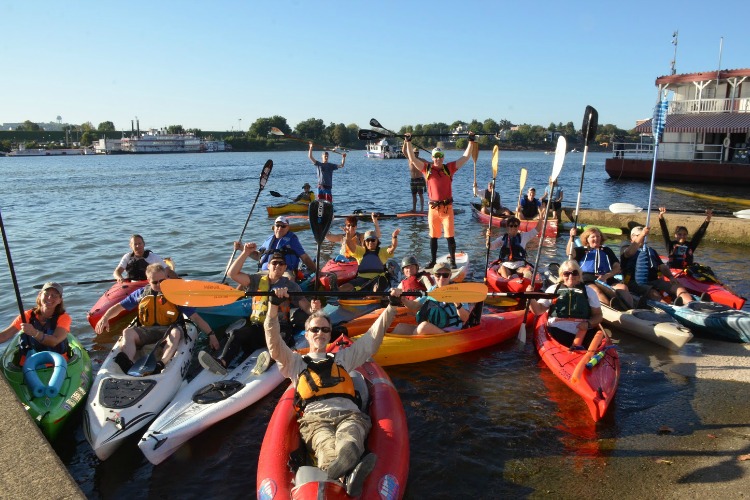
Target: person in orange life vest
x=681, y=250
x=135, y=262
x=417, y=183
x=414, y=279
x=44, y=327
x=332, y=425
x=350, y=233
x=439, y=178
x=325, y=173
x=251, y=336
x=371, y=260
x=157, y=318
x=512, y=245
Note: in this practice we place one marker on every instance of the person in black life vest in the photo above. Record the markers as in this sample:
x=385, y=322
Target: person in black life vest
x=135, y=262
x=681, y=250
x=252, y=336
x=371, y=259
x=331, y=424
x=414, y=279
x=528, y=206
x=575, y=314
x=44, y=327
x=512, y=245
x=157, y=319
x=488, y=200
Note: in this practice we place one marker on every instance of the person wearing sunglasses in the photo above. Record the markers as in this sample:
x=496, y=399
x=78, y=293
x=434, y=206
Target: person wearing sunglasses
x=252, y=336
x=681, y=250
x=351, y=234
x=285, y=241
x=439, y=179
x=371, y=261
x=528, y=206
x=135, y=262
x=575, y=314
x=512, y=259
x=434, y=316
x=600, y=265
x=158, y=320
x=325, y=173
x=416, y=182
x=331, y=423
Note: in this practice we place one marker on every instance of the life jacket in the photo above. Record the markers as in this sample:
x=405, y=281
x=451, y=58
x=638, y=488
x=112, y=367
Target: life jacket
x=646, y=266
x=593, y=263
x=371, y=263
x=260, y=304
x=440, y=314
x=570, y=302
x=681, y=255
x=414, y=283
x=529, y=208
x=444, y=169
x=28, y=342
x=322, y=379
x=136, y=266
x=155, y=309
x=512, y=250
x=282, y=245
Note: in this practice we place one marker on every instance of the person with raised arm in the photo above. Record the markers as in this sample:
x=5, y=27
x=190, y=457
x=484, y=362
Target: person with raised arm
x=325, y=173
x=680, y=249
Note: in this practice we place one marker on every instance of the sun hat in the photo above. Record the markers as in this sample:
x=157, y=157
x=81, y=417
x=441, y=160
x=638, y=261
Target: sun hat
x=440, y=266
x=305, y=185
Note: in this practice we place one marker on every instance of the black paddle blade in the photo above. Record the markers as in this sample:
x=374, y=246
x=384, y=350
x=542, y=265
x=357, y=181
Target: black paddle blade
x=375, y=123
x=265, y=173
x=590, y=122
x=275, y=194
x=369, y=135
x=321, y=217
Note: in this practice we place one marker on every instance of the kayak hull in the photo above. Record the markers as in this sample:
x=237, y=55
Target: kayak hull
x=288, y=208
x=116, y=293
x=597, y=386
x=715, y=291
x=711, y=319
x=654, y=326
x=51, y=413
x=526, y=225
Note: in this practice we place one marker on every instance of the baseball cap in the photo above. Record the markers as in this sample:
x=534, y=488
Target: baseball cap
x=436, y=151
x=277, y=256
x=440, y=266
x=370, y=235
x=281, y=219
x=52, y=284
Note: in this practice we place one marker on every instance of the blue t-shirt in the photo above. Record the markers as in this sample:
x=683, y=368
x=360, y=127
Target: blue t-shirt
x=325, y=174
x=131, y=302
x=289, y=245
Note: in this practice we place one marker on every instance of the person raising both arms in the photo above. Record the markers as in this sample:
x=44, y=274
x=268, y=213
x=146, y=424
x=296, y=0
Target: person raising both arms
x=416, y=183
x=325, y=173
x=135, y=262
x=350, y=233
x=371, y=260
x=439, y=178
x=681, y=250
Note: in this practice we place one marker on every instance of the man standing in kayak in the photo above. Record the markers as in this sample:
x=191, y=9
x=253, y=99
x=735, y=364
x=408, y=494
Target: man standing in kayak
x=439, y=179
x=325, y=173
x=330, y=422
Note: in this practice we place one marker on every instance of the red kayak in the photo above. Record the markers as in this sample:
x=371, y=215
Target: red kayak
x=497, y=283
x=388, y=439
x=526, y=225
x=715, y=290
x=114, y=295
x=596, y=385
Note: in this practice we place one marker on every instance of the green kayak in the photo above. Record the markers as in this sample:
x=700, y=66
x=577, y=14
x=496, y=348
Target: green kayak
x=52, y=406
x=612, y=231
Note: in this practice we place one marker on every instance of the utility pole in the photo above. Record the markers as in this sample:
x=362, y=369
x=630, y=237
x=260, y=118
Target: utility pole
x=674, y=58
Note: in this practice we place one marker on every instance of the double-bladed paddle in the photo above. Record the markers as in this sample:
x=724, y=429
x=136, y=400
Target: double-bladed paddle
x=629, y=208
x=495, y=161
x=263, y=179
x=590, y=122
x=320, y=213
x=277, y=131
x=371, y=135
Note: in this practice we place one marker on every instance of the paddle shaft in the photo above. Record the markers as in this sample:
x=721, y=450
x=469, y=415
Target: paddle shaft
x=299, y=139
x=12, y=269
x=589, y=122
x=112, y=280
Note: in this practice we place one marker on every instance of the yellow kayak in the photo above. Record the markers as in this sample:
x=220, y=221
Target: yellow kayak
x=288, y=208
x=723, y=199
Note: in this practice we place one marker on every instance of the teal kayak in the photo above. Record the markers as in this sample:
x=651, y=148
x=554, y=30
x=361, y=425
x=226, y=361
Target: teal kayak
x=50, y=402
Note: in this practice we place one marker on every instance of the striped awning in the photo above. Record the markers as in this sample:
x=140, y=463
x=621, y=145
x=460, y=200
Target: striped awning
x=704, y=122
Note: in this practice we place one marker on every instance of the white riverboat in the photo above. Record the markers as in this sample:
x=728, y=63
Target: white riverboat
x=383, y=150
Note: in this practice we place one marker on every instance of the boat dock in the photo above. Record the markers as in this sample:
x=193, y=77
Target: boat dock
x=31, y=467
x=721, y=230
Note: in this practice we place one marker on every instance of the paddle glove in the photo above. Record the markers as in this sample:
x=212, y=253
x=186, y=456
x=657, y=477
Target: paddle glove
x=471, y=136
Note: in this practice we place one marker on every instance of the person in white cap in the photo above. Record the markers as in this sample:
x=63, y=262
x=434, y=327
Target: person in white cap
x=439, y=178
x=282, y=240
x=44, y=327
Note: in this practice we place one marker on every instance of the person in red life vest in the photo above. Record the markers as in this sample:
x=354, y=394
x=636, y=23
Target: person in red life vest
x=135, y=262
x=331, y=424
x=512, y=245
x=414, y=279
x=681, y=250
x=46, y=326
x=157, y=320
x=439, y=178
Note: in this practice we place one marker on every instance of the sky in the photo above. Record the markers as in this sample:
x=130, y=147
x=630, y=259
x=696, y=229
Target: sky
x=222, y=65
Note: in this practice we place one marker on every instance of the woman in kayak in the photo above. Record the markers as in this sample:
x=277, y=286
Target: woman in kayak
x=681, y=250
x=371, y=260
x=46, y=326
x=512, y=245
x=350, y=233
x=600, y=265
x=575, y=314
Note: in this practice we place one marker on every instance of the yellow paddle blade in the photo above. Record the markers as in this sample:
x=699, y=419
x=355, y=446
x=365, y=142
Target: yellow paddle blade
x=495, y=160
x=460, y=292
x=475, y=151
x=195, y=293
x=524, y=173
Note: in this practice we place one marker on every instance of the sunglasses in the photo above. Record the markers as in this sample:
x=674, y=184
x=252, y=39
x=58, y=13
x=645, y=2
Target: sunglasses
x=282, y=225
x=568, y=274
x=438, y=155
x=443, y=275
x=316, y=329
x=157, y=282
x=514, y=225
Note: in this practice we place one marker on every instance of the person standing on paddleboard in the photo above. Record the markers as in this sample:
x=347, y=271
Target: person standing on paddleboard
x=439, y=178
x=416, y=182
x=325, y=173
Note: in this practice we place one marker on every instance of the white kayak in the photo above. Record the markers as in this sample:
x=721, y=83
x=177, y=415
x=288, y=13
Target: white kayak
x=120, y=404
x=462, y=266
x=204, y=401
x=655, y=326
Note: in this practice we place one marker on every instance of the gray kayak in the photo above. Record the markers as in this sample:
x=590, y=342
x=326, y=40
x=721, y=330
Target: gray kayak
x=710, y=319
x=654, y=326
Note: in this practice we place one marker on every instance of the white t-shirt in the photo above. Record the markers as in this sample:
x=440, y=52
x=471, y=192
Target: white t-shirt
x=151, y=259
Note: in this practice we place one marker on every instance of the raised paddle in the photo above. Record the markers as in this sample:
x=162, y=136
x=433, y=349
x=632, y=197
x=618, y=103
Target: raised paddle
x=629, y=208
x=556, y=169
x=320, y=213
x=263, y=179
x=522, y=183
x=277, y=131
x=474, y=157
x=590, y=122
x=208, y=294
x=12, y=269
x=112, y=280
x=371, y=135
x=495, y=161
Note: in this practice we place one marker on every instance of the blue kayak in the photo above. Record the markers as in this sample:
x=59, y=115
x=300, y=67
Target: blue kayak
x=710, y=319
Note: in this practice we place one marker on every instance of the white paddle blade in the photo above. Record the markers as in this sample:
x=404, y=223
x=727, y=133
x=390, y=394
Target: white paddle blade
x=276, y=131
x=562, y=144
x=743, y=214
x=624, y=208
x=495, y=160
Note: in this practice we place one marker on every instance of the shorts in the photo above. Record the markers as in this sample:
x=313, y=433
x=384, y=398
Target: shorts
x=418, y=185
x=325, y=194
x=153, y=334
x=658, y=285
x=441, y=220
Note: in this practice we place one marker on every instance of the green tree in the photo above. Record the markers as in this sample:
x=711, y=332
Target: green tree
x=106, y=127
x=312, y=129
x=87, y=126
x=261, y=128
x=88, y=138
x=338, y=134
x=175, y=129
x=29, y=126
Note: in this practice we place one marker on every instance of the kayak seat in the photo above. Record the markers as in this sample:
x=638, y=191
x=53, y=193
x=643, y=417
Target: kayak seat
x=360, y=388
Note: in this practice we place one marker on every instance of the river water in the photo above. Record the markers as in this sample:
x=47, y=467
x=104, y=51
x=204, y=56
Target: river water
x=478, y=422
